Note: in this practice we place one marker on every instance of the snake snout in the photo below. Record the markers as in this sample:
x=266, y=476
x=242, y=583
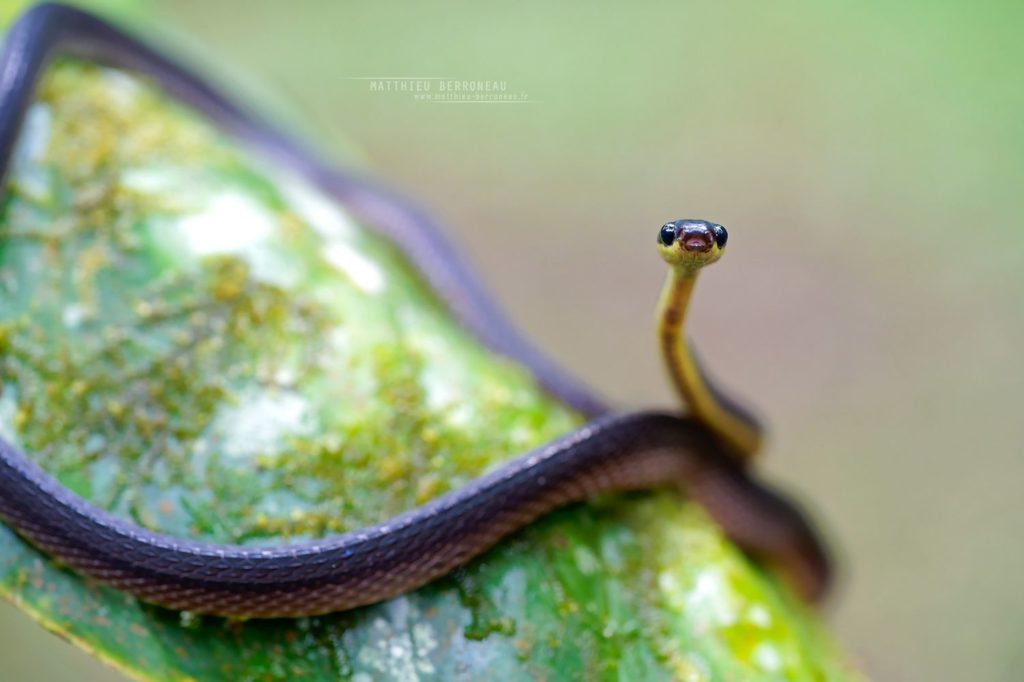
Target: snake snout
x=697, y=239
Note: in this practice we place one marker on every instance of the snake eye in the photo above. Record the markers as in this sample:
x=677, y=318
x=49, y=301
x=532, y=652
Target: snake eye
x=721, y=236
x=667, y=235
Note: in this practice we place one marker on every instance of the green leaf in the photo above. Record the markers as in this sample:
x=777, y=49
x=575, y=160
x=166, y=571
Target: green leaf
x=203, y=344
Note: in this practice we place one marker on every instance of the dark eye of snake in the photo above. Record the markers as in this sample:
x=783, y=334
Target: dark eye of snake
x=667, y=235
x=721, y=236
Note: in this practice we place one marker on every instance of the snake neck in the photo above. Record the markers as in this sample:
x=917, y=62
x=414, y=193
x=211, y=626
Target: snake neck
x=675, y=350
x=688, y=379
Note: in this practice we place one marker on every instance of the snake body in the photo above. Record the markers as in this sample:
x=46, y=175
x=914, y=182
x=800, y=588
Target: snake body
x=611, y=453
x=362, y=567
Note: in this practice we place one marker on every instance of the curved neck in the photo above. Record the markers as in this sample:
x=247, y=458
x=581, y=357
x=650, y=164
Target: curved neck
x=737, y=430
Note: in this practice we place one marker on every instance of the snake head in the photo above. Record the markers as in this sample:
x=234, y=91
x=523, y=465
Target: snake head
x=691, y=244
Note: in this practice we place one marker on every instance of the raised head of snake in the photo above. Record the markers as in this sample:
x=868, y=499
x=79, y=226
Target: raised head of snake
x=687, y=246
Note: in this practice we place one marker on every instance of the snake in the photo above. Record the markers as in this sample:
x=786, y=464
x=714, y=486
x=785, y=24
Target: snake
x=611, y=452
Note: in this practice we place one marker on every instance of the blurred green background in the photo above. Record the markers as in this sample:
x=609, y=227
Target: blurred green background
x=868, y=159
